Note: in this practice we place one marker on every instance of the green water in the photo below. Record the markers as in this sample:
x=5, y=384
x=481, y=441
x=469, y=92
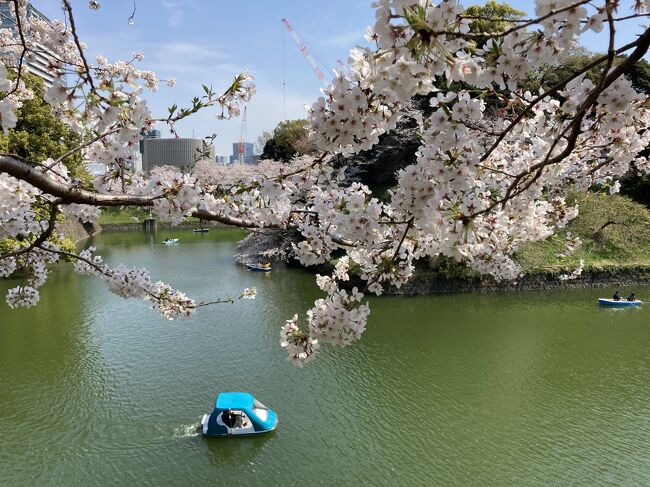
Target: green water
x=536, y=388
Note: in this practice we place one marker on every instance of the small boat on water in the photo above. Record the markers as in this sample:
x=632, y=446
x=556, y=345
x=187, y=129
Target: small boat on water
x=170, y=241
x=201, y=230
x=238, y=414
x=622, y=303
x=259, y=267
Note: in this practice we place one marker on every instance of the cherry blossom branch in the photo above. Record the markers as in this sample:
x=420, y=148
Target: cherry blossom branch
x=575, y=125
x=23, y=41
x=74, y=150
x=69, y=195
x=487, y=35
x=553, y=90
x=47, y=233
x=73, y=30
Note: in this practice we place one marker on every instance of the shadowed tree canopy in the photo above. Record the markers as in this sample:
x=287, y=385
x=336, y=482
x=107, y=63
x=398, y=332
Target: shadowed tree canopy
x=632, y=185
x=290, y=138
x=577, y=59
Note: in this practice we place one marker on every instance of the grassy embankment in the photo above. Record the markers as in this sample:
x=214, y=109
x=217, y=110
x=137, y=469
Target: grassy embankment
x=123, y=215
x=615, y=234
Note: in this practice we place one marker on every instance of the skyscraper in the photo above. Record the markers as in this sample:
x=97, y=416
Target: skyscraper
x=37, y=63
x=152, y=134
x=181, y=153
x=247, y=152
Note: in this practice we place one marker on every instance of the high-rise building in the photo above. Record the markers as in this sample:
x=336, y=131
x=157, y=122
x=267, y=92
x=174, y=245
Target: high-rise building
x=246, y=148
x=152, y=134
x=181, y=153
x=37, y=63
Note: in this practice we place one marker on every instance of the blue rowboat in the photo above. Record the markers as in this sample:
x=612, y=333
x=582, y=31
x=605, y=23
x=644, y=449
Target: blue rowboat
x=201, y=230
x=259, y=267
x=238, y=414
x=623, y=303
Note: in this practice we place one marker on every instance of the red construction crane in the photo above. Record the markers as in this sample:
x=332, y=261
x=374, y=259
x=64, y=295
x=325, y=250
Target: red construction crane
x=305, y=51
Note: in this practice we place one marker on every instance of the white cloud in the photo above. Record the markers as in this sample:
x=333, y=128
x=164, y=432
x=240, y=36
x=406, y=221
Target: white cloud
x=175, y=10
x=194, y=59
x=191, y=49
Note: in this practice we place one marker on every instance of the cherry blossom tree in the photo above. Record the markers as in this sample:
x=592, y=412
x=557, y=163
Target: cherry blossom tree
x=486, y=179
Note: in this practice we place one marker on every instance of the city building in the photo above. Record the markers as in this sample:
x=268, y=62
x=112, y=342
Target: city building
x=181, y=153
x=222, y=160
x=37, y=63
x=152, y=134
x=248, y=157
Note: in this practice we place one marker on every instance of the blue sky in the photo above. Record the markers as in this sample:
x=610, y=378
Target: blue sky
x=209, y=41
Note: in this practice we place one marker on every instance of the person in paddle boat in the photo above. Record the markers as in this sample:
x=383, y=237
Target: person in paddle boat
x=238, y=413
x=631, y=297
x=228, y=418
x=616, y=297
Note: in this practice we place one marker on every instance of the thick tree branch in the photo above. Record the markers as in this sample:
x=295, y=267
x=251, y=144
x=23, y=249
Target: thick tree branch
x=69, y=194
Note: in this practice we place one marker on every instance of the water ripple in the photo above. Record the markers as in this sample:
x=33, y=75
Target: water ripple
x=516, y=389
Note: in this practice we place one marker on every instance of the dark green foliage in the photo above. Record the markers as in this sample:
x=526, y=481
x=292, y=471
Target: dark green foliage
x=639, y=75
x=497, y=17
x=39, y=135
x=272, y=151
x=636, y=187
x=575, y=61
x=290, y=138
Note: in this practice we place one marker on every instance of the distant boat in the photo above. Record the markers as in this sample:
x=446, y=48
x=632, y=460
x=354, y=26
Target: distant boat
x=623, y=303
x=170, y=241
x=259, y=267
x=201, y=230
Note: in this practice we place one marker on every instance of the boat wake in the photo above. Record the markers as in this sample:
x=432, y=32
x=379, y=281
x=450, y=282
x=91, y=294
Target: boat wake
x=187, y=431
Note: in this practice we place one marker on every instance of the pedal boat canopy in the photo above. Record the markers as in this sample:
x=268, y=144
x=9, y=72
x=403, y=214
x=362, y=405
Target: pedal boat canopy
x=244, y=415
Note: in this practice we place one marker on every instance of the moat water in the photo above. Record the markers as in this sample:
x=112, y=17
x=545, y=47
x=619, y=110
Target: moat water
x=531, y=388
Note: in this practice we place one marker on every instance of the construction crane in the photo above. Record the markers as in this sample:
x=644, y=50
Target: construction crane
x=242, y=137
x=305, y=51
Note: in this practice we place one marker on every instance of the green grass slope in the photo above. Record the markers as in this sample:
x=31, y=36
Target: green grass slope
x=615, y=232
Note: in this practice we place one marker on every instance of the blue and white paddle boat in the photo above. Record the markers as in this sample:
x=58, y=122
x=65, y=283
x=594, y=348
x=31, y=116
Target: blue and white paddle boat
x=259, y=267
x=622, y=303
x=238, y=413
x=170, y=241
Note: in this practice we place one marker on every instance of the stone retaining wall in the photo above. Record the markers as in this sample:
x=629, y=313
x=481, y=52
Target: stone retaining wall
x=615, y=277
x=131, y=227
x=76, y=231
